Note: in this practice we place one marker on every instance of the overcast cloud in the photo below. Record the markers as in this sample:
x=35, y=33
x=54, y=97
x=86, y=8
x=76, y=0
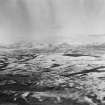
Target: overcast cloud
x=52, y=20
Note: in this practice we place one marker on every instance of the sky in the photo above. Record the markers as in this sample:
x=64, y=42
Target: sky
x=73, y=21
